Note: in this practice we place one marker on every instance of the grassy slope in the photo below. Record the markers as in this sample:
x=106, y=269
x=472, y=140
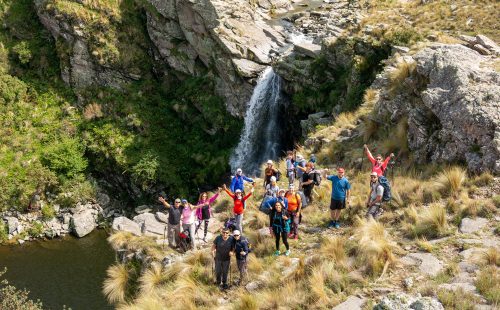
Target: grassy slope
x=333, y=264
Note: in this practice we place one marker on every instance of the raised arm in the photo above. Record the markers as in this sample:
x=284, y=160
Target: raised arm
x=213, y=198
x=369, y=154
x=228, y=192
x=247, y=179
x=164, y=202
x=387, y=160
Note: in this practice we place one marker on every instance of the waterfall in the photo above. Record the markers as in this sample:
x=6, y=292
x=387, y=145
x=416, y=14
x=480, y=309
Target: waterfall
x=261, y=136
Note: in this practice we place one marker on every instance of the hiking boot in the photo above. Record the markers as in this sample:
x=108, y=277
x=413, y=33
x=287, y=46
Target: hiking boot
x=337, y=225
x=277, y=253
x=332, y=224
x=287, y=253
x=295, y=237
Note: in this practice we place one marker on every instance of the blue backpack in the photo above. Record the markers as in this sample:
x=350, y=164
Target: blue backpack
x=387, y=188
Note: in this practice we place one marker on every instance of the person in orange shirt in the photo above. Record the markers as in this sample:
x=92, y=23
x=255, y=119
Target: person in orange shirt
x=239, y=205
x=294, y=208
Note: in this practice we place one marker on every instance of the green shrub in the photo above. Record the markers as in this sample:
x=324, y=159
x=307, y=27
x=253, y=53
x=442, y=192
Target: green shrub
x=13, y=299
x=496, y=200
x=23, y=52
x=76, y=190
x=457, y=299
x=36, y=229
x=3, y=231
x=146, y=170
x=66, y=157
x=48, y=212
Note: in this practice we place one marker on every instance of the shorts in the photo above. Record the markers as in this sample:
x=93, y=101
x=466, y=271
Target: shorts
x=337, y=204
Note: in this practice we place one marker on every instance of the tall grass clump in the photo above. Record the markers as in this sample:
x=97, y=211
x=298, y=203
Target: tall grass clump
x=488, y=284
x=450, y=181
x=398, y=75
x=429, y=223
x=116, y=285
x=334, y=249
x=247, y=302
x=374, y=247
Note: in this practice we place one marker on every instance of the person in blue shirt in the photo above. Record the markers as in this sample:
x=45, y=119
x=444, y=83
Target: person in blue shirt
x=238, y=181
x=341, y=192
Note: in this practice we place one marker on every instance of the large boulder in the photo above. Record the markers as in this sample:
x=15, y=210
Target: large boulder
x=469, y=225
x=84, y=222
x=402, y=301
x=13, y=225
x=426, y=262
x=124, y=224
x=450, y=101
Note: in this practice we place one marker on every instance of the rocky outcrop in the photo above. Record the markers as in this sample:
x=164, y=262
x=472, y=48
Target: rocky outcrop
x=404, y=301
x=124, y=224
x=450, y=96
x=228, y=38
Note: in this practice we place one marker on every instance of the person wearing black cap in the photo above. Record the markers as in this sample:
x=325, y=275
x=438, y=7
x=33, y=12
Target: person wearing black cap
x=174, y=221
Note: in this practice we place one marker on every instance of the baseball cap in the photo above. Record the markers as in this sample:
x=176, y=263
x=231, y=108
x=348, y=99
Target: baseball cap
x=281, y=190
x=291, y=186
x=270, y=162
x=177, y=200
x=184, y=200
x=238, y=191
x=239, y=170
x=299, y=156
x=273, y=179
x=236, y=233
x=373, y=174
x=340, y=170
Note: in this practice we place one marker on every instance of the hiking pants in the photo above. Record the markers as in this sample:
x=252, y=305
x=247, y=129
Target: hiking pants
x=173, y=232
x=191, y=229
x=242, y=267
x=221, y=271
x=291, y=177
x=373, y=211
x=205, y=227
x=283, y=236
x=295, y=219
x=239, y=222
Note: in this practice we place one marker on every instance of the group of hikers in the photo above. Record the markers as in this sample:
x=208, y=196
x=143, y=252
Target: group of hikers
x=283, y=206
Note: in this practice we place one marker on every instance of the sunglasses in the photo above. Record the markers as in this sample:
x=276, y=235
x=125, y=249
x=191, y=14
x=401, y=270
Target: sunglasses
x=373, y=177
x=236, y=235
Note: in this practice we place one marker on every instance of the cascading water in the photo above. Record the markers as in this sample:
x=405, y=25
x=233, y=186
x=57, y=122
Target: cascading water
x=261, y=136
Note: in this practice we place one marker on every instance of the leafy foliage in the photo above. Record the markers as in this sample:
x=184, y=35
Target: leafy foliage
x=13, y=299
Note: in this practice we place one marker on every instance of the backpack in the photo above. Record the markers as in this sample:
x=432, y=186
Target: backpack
x=264, y=206
x=278, y=175
x=248, y=244
x=303, y=199
x=316, y=177
x=230, y=224
x=387, y=188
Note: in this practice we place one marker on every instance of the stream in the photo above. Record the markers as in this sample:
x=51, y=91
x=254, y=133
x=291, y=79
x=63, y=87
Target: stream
x=61, y=272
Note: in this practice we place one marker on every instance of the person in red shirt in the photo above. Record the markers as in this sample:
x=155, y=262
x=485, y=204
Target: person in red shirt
x=378, y=165
x=239, y=205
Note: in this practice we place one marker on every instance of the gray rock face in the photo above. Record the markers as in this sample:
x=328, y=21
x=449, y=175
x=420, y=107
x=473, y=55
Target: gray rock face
x=308, y=49
x=162, y=217
x=469, y=225
x=401, y=301
x=452, y=101
x=351, y=303
x=124, y=224
x=13, y=225
x=84, y=222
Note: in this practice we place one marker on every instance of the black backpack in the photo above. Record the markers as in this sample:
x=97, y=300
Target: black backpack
x=316, y=177
x=278, y=175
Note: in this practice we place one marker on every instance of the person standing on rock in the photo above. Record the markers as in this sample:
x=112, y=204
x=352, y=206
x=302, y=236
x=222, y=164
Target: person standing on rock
x=239, y=205
x=272, y=188
x=188, y=220
x=269, y=172
x=341, y=192
x=205, y=212
x=378, y=165
x=174, y=220
x=222, y=250
x=290, y=167
x=280, y=226
x=294, y=209
x=375, y=197
x=239, y=180
x=241, y=250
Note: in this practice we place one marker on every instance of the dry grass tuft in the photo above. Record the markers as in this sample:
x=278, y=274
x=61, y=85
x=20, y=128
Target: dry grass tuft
x=119, y=240
x=247, y=302
x=491, y=257
x=429, y=223
x=398, y=75
x=374, y=247
x=488, y=284
x=451, y=180
x=152, y=278
x=115, y=285
x=333, y=248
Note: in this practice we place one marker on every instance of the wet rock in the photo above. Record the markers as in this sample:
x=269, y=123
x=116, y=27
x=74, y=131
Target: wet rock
x=351, y=303
x=124, y=224
x=247, y=68
x=470, y=225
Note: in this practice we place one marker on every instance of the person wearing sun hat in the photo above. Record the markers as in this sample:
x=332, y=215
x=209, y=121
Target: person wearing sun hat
x=239, y=180
x=269, y=172
x=241, y=250
x=341, y=192
x=375, y=198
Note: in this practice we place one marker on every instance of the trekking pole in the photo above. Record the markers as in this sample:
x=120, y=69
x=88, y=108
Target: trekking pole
x=164, y=233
